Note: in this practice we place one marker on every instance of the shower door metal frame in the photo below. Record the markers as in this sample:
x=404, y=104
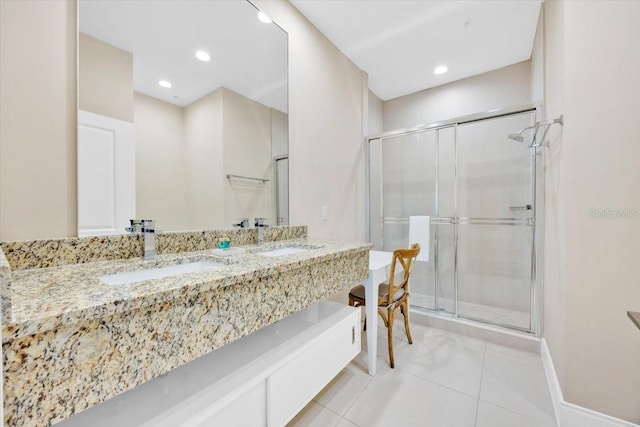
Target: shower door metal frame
x=276, y=186
x=533, y=223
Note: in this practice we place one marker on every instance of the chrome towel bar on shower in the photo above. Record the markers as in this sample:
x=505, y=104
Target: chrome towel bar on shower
x=229, y=176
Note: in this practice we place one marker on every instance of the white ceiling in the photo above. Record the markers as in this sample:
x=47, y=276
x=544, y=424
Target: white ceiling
x=247, y=56
x=400, y=42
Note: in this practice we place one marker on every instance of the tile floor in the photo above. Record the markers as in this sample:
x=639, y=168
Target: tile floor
x=442, y=380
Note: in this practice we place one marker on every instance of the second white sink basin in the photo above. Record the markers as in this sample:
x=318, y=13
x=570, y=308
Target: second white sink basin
x=127, y=277
x=283, y=251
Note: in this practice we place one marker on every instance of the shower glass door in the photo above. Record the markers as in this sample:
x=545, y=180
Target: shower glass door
x=495, y=198
x=403, y=172
x=414, y=175
x=478, y=188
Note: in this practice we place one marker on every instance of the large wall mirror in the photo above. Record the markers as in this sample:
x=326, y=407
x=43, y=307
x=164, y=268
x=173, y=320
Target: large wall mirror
x=182, y=115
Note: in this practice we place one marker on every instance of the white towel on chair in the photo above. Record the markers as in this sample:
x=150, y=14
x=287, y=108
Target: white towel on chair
x=419, y=233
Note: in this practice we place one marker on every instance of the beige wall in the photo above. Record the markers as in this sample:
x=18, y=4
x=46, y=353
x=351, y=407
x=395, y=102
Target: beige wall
x=246, y=135
x=554, y=217
x=203, y=137
x=495, y=89
x=279, y=133
x=37, y=119
x=592, y=63
x=161, y=176
x=375, y=114
x=184, y=154
x=537, y=61
x=325, y=119
x=105, y=79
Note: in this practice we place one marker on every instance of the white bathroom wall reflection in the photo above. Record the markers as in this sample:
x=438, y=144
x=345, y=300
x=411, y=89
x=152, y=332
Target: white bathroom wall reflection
x=219, y=117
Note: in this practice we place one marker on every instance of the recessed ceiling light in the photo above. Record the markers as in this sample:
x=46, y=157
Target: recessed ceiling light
x=164, y=83
x=203, y=56
x=264, y=18
x=441, y=69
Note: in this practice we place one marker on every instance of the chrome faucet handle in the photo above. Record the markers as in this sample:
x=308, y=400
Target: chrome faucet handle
x=135, y=226
x=260, y=222
x=148, y=226
x=244, y=222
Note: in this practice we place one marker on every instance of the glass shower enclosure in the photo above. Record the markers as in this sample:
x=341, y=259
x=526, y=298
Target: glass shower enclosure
x=479, y=189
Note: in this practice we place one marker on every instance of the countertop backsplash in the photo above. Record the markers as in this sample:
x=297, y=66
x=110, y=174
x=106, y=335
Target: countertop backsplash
x=26, y=254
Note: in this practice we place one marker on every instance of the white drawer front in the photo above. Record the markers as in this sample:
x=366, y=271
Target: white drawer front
x=247, y=410
x=291, y=387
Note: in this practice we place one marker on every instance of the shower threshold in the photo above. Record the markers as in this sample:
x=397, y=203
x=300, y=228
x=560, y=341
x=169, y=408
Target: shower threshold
x=497, y=316
x=475, y=329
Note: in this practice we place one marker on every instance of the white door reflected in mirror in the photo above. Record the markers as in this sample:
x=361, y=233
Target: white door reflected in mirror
x=106, y=199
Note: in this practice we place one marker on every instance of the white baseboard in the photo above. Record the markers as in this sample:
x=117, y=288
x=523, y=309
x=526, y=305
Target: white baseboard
x=568, y=414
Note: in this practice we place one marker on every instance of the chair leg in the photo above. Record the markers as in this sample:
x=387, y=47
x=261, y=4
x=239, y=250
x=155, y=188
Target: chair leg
x=390, y=337
x=405, y=313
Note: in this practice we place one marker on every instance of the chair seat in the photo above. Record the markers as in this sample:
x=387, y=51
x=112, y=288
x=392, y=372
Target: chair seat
x=357, y=293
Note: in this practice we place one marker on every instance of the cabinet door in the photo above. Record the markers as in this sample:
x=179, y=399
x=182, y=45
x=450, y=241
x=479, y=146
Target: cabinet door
x=291, y=387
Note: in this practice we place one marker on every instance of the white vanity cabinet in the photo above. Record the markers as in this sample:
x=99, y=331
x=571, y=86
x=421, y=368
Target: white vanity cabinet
x=295, y=383
x=263, y=379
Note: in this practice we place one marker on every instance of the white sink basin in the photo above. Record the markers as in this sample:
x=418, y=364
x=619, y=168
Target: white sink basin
x=127, y=277
x=283, y=251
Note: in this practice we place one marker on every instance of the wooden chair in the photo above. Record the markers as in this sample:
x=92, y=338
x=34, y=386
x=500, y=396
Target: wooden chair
x=391, y=295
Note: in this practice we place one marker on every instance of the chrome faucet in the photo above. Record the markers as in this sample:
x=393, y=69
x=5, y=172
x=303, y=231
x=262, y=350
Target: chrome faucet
x=244, y=223
x=147, y=228
x=260, y=226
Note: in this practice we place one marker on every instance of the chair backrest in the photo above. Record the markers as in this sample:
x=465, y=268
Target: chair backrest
x=405, y=258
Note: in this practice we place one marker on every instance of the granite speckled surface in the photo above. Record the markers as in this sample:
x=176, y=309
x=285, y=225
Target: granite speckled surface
x=5, y=276
x=54, y=252
x=70, y=341
x=76, y=250
x=190, y=241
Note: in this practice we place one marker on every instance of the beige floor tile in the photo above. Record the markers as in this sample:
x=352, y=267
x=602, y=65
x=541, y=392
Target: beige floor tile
x=515, y=380
x=437, y=380
x=314, y=415
x=451, y=365
x=343, y=390
x=346, y=423
x=494, y=416
x=396, y=398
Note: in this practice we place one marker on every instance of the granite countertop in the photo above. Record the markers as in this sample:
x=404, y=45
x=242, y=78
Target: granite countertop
x=45, y=298
x=635, y=317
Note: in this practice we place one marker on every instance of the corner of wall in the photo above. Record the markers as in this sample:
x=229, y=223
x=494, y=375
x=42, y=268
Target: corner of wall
x=325, y=125
x=537, y=60
x=554, y=284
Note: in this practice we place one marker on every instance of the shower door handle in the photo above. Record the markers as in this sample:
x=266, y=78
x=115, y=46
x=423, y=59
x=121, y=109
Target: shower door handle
x=521, y=208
